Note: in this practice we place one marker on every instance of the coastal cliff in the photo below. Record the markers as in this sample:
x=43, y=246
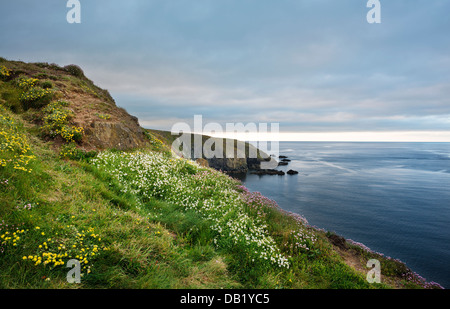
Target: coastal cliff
x=241, y=158
x=80, y=179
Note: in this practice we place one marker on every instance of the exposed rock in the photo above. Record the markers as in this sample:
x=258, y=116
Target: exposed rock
x=202, y=162
x=121, y=136
x=229, y=165
x=253, y=163
x=227, y=155
x=282, y=163
x=338, y=241
x=282, y=157
x=268, y=172
x=285, y=160
x=292, y=172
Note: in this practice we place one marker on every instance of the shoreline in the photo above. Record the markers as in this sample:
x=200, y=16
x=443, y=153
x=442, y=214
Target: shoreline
x=346, y=246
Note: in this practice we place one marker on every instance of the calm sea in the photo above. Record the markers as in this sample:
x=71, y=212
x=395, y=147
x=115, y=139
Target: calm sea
x=392, y=197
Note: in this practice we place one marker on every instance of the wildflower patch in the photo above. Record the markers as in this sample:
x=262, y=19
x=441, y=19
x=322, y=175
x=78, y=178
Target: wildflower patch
x=56, y=122
x=26, y=83
x=5, y=73
x=56, y=249
x=15, y=150
x=35, y=94
x=210, y=193
x=10, y=235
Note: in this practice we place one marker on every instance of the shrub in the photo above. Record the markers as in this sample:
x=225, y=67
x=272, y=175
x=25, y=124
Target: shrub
x=52, y=66
x=156, y=143
x=5, y=73
x=56, y=122
x=74, y=70
x=70, y=151
x=46, y=76
x=47, y=85
x=36, y=97
x=25, y=83
x=71, y=134
x=15, y=150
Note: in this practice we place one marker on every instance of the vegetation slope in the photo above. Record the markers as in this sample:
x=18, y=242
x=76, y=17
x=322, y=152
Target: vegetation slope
x=134, y=214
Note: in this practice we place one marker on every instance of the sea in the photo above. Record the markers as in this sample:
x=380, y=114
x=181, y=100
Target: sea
x=392, y=197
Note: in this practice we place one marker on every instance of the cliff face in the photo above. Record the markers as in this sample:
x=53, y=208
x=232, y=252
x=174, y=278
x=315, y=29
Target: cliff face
x=106, y=135
x=105, y=125
x=229, y=165
x=238, y=164
x=226, y=155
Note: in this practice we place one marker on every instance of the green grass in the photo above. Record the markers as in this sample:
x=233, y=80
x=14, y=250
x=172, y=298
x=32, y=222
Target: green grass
x=10, y=96
x=142, y=253
x=145, y=219
x=150, y=245
x=151, y=242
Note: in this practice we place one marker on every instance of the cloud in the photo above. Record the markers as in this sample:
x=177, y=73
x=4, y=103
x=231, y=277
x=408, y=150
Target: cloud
x=309, y=65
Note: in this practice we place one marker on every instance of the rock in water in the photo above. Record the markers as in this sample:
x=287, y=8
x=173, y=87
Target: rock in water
x=268, y=172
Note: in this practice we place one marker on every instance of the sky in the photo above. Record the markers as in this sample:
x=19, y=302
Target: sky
x=315, y=67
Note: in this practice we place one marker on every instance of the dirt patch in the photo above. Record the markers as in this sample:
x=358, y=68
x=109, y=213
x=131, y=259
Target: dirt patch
x=357, y=262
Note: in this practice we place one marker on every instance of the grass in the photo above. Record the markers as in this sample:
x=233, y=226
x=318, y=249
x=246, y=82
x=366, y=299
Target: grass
x=140, y=252
x=150, y=242
x=147, y=219
x=143, y=241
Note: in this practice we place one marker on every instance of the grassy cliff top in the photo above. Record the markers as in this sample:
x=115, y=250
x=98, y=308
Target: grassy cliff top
x=141, y=218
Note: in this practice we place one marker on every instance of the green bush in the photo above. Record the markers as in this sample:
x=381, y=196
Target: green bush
x=70, y=151
x=25, y=83
x=56, y=122
x=52, y=66
x=71, y=133
x=15, y=151
x=5, y=73
x=46, y=76
x=36, y=97
x=47, y=85
x=74, y=70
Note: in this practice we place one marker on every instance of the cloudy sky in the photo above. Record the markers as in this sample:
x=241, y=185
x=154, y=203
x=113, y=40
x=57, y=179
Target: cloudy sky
x=316, y=67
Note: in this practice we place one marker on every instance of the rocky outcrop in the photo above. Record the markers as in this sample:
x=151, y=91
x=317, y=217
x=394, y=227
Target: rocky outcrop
x=118, y=135
x=227, y=155
x=229, y=165
x=338, y=241
x=283, y=162
x=268, y=172
x=239, y=164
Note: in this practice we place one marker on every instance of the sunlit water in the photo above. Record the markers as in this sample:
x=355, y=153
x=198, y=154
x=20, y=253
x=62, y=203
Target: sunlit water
x=392, y=197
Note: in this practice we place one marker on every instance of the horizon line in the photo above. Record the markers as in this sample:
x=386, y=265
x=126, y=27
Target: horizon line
x=342, y=136
x=363, y=136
